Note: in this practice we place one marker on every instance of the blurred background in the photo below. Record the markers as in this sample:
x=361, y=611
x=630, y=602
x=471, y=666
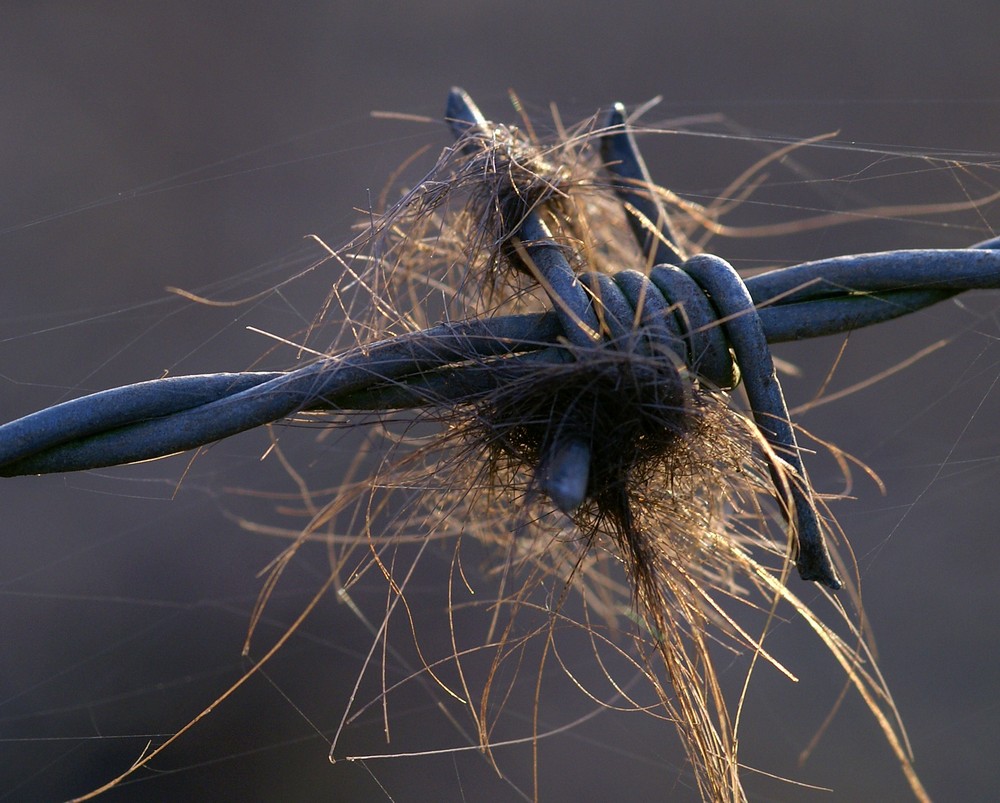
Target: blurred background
x=195, y=145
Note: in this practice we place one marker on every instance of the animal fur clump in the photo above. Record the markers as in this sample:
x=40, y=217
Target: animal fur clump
x=678, y=517
x=453, y=234
x=673, y=499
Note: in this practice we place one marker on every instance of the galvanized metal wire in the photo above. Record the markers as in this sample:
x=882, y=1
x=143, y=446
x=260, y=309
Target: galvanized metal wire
x=718, y=324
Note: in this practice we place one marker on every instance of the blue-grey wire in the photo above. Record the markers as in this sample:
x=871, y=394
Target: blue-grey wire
x=165, y=416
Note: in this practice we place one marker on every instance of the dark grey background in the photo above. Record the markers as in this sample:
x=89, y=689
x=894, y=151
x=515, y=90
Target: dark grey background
x=194, y=144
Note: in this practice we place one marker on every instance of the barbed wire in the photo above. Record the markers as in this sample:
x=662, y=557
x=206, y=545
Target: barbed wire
x=688, y=326
x=700, y=311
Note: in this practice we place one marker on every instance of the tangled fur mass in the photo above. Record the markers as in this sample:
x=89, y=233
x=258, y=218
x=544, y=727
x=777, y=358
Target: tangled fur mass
x=677, y=548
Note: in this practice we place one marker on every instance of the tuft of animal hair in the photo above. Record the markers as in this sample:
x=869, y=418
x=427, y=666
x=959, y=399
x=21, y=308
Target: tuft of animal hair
x=453, y=234
x=678, y=517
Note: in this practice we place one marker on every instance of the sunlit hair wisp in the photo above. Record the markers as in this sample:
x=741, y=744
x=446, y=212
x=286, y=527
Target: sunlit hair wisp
x=543, y=307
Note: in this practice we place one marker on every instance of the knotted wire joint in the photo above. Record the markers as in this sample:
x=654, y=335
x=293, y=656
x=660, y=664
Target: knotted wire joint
x=701, y=300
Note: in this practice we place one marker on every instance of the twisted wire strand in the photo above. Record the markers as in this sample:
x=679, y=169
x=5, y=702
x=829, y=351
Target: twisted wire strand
x=161, y=417
x=682, y=305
